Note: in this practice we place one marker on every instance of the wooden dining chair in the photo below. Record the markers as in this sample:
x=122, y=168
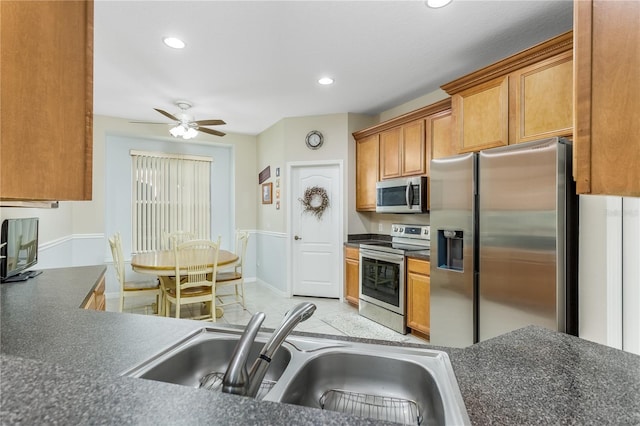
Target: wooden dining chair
x=131, y=288
x=196, y=264
x=234, y=276
x=171, y=239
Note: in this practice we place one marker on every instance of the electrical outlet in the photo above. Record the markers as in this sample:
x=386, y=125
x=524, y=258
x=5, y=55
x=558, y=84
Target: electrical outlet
x=379, y=227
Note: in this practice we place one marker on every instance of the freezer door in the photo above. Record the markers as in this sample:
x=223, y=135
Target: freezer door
x=521, y=237
x=452, y=250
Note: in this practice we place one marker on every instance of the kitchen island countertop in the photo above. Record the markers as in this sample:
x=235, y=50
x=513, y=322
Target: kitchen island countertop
x=62, y=364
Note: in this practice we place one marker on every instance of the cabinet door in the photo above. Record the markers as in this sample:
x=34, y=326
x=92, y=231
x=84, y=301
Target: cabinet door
x=418, y=296
x=99, y=295
x=413, y=149
x=352, y=281
x=367, y=154
x=607, y=87
x=47, y=100
x=440, y=137
x=541, y=100
x=391, y=153
x=91, y=303
x=481, y=115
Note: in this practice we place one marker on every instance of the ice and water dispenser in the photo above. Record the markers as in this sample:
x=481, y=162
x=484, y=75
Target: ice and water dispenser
x=450, y=249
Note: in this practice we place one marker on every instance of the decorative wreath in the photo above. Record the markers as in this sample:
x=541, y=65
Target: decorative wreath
x=315, y=201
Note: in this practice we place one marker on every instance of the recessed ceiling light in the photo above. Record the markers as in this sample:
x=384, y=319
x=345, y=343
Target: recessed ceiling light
x=437, y=3
x=176, y=43
x=325, y=80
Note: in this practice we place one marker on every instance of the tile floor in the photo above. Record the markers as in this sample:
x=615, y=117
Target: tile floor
x=331, y=316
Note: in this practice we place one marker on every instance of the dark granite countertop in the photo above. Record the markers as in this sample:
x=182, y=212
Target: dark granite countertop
x=61, y=364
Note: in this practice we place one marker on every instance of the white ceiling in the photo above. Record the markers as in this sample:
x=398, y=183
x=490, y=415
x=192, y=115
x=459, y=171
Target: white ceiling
x=254, y=63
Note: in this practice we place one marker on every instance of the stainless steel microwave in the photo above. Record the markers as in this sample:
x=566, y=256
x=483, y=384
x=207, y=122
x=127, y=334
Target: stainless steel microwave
x=402, y=195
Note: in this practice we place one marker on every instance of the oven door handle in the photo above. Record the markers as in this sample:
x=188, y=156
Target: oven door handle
x=397, y=258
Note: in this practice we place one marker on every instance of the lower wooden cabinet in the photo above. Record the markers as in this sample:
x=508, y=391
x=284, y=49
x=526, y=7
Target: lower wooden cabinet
x=96, y=299
x=352, y=274
x=418, y=296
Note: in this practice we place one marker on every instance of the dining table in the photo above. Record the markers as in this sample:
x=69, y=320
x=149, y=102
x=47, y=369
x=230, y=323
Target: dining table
x=162, y=263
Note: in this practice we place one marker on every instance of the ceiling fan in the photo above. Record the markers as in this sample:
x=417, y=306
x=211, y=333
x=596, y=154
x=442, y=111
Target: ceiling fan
x=186, y=127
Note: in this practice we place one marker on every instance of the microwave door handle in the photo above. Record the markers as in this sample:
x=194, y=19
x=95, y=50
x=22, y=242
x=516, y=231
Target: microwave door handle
x=409, y=195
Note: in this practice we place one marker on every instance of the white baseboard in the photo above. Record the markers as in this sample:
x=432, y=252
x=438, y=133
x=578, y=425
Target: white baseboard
x=272, y=288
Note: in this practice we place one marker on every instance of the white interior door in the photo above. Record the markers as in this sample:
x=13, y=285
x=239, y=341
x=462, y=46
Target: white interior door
x=315, y=241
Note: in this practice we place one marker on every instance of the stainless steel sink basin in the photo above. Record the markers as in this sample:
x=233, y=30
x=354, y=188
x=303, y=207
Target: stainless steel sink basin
x=406, y=385
x=191, y=359
x=382, y=387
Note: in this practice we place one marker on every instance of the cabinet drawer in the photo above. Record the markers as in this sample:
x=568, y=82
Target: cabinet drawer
x=419, y=266
x=352, y=253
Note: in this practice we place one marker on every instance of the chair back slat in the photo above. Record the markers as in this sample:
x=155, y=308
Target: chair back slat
x=242, y=238
x=172, y=239
x=118, y=258
x=196, y=264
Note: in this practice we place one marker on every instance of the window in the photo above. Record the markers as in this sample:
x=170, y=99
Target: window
x=170, y=193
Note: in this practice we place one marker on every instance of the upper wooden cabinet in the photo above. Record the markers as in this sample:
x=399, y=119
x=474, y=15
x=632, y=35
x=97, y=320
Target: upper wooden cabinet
x=367, y=160
x=481, y=115
x=541, y=99
x=46, y=81
x=402, y=151
x=524, y=97
x=607, y=97
x=390, y=153
x=440, y=142
x=400, y=147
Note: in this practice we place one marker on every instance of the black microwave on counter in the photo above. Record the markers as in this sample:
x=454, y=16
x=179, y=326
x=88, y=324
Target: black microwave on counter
x=402, y=195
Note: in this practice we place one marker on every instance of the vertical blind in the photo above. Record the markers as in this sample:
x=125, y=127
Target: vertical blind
x=170, y=193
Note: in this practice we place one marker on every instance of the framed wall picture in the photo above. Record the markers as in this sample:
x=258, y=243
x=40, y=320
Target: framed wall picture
x=266, y=193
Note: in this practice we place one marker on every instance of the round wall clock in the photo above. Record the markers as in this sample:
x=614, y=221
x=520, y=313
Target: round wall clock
x=314, y=139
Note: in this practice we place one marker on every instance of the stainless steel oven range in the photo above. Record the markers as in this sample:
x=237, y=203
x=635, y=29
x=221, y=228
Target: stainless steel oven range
x=382, y=267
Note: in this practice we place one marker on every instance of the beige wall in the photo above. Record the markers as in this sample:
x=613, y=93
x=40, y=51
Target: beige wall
x=87, y=217
x=284, y=142
x=412, y=105
x=270, y=152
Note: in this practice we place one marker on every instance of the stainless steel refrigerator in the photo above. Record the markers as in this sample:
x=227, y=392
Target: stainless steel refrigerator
x=504, y=225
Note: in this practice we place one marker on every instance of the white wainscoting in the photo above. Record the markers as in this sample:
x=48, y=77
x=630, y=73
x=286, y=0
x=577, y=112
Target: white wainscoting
x=270, y=259
x=72, y=250
x=265, y=259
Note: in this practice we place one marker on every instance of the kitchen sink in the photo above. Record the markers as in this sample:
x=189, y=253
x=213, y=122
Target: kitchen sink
x=206, y=351
x=361, y=383
x=401, y=384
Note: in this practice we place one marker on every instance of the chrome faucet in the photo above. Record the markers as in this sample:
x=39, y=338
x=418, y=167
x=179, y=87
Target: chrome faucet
x=236, y=379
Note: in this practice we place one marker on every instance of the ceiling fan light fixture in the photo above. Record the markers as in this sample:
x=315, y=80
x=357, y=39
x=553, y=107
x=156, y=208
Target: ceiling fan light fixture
x=178, y=131
x=435, y=4
x=174, y=42
x=325, y=81
x=190, y=134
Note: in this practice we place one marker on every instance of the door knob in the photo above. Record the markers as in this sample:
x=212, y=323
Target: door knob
x=297, y=238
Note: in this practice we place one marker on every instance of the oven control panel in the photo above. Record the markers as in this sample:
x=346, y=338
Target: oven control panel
x=422, y=232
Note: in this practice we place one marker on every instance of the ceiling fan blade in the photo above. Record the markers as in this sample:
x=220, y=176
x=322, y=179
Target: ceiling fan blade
x=210, y=122
x=211, y=131
x=148, y=122
x=166, y=114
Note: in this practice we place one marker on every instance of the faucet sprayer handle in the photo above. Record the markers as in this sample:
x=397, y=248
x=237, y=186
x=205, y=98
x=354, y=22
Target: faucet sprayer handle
x=303, y=311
